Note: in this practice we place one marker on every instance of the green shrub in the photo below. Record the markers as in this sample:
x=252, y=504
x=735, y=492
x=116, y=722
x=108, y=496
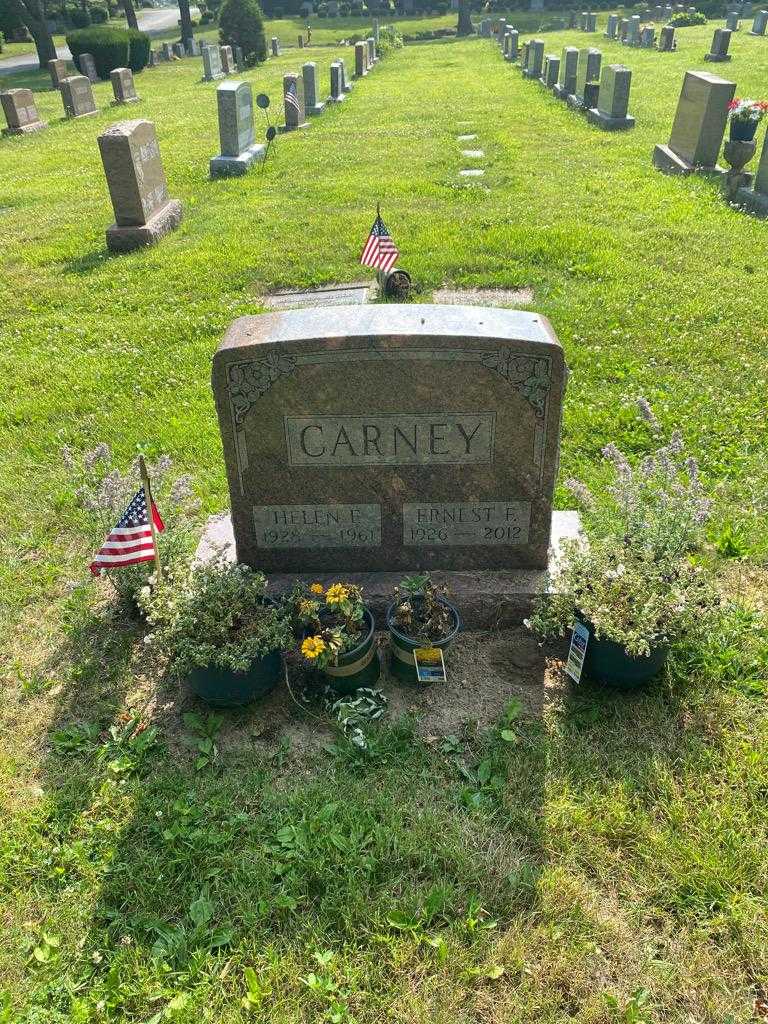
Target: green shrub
x=109, y=46
x=79, y=18
x=241, y=24
x=112, y=47
x=99, y=15
x=141, y=44
x=683, y=19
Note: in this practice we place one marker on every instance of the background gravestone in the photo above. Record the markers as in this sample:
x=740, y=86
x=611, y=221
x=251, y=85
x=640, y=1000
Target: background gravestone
x=452, y=465
x=144, y=213
x=337, y=83
x=759, y=24
x=361, y=62
x=312, y=103
x=612, y=26
x=697, y=131
x=514, y=45
x=77, y=97
x=756, y=199
x=227, y=59
x=88, y=67
x=566, y=79
x=236, y=131
x=551, y=70
x=718, y=52
x=295, y=114
x=179, y=50
x=345, y=82
x=667, y=39
x=122, y=86
x=58, y=72
x=587, y=72
x=732, y=21
x=20, y=112
x=535, y=59
x=212, y=64
x=275, y=46
x=613, y=99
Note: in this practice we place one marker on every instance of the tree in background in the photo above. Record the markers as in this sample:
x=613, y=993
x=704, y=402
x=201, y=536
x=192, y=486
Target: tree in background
x=241, y=24
x=31, y=13
x=186, y=21
x=130, y=14
x=464, y=27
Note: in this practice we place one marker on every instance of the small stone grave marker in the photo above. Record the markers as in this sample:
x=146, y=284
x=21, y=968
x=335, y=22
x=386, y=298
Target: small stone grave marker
x=293, y=101
x=613, y=99
x=337, y=87
x=275, y=45
x=122, y=86
x=759, y=24
x=227, y=60
x=58, y=71
x=212, y=70
x=361, y=62
x=699, y=125
x=237, y=136
x=88, y=67
x=312, y=102
x=77, y=97
x=20, y=112
x=721, y=40
x=587, y=72
x=144, y=213
x=566, y=77
x=667, y=39
x=535, y=59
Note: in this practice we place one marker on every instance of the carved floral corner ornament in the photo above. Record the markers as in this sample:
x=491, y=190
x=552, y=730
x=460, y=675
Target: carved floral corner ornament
x=248, y=381
x=528, y=375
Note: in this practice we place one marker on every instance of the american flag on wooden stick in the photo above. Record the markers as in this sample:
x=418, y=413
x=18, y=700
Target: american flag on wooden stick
x=380, y=251
x=132, y=539
x=291, y=97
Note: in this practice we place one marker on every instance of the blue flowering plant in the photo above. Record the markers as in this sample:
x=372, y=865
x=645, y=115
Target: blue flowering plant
x=631, y=574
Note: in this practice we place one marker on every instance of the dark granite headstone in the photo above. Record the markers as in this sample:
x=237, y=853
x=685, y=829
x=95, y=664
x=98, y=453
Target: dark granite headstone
x=390, y=437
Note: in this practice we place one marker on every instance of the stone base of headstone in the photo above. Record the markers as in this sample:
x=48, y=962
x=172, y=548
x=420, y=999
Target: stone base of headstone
x=717, y=58
x=510, y=58
x=575, y=102
x=26, y=129
x=318, y=108
x=126, y=239
x=282, y=128
x=751, y=201
x=337, y=99
x=527, y=73
x=666, y=160
x=236, y=166
x=608, y=123
x=488, y=599
x=122, y=103
x=561, y=93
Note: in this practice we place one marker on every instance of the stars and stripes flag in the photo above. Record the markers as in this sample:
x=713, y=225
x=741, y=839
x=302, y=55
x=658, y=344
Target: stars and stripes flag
x=291, y=97
x=132, y=540
x=380, y=251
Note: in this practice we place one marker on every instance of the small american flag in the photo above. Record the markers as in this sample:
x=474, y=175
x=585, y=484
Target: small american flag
x=380, y=251
x=291, y=97
x=130, y=542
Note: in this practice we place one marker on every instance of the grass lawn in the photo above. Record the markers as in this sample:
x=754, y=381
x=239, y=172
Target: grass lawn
x=608, y=865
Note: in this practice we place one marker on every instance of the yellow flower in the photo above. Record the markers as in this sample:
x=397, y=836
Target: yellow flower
x=336, y=594
x=312, y=647
x=316, y=588
x=307, y=608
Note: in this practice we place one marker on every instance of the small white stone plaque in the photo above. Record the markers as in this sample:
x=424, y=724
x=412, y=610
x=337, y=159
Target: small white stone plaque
x=486, y=523
x=317, y=526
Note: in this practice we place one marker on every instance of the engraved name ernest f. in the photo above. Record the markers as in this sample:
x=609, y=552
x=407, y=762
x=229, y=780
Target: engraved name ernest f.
x=394, y=440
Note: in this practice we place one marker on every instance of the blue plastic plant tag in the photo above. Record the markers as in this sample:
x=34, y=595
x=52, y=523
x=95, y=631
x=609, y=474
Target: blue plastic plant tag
x=578, y=651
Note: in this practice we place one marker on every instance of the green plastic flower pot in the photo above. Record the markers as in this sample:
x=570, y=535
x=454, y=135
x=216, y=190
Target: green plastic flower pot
x=608, y=663
x=402, y=662
x=223, y=688
x=358, y=667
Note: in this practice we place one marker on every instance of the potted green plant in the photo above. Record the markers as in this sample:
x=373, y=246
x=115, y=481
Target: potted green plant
x=218, y=630
x=335, y=633
x=420, y=616
x=630, y=579
x=745, y=115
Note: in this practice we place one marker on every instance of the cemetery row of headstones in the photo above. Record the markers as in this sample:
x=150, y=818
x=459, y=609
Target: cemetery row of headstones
x=76, y=92
x=143, y=210
x=697, y=136
x=632, y=32
x=576, y=76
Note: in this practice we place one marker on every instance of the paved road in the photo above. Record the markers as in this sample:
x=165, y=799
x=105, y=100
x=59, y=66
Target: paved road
x=155, y=22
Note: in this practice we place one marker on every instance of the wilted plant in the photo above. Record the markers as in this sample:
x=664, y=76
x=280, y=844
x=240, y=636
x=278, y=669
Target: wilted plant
x=420, y=611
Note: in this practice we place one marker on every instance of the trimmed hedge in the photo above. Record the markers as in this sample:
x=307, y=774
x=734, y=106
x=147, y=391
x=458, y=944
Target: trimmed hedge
x=141, y=44
x=112, y=47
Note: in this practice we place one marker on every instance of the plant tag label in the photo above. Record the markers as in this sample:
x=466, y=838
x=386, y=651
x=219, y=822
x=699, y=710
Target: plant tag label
x=430, y=666
x=577, y=652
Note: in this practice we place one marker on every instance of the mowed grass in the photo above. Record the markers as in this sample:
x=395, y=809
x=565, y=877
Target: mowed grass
x=609, y=865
